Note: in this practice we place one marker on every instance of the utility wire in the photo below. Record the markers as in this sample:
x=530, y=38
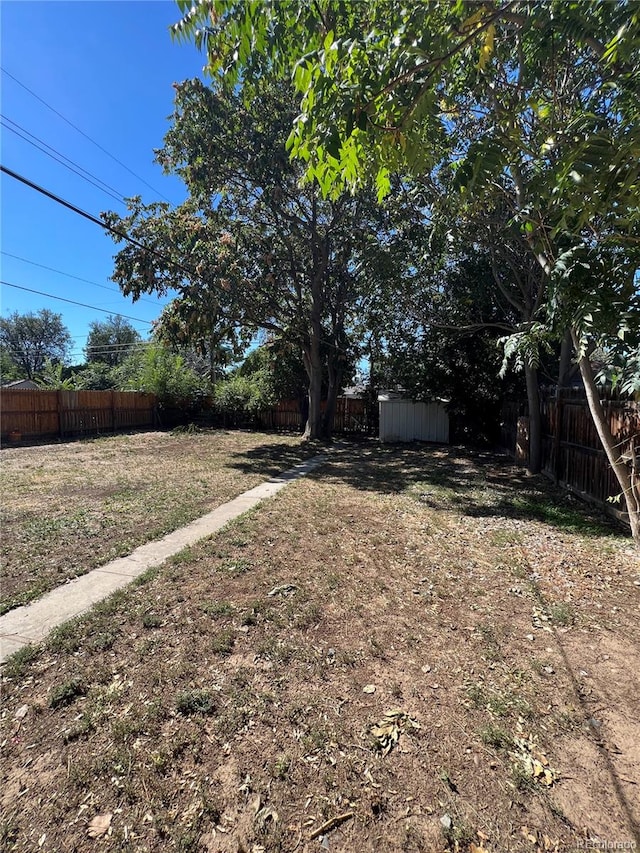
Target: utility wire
x=82, y=133
x=73, y=302
x=76, y=277
x=122, y=234
x=71, y=165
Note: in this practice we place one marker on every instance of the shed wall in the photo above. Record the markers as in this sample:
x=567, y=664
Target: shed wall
x=406, y=420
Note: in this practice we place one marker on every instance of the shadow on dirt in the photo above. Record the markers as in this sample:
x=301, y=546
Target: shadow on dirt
x=477, y=483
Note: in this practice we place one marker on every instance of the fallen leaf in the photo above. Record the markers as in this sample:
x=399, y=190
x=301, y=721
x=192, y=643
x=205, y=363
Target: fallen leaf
x=369, y=688
x=21, y=713
x=100, y=825
x=386, y=731
x=475, y=849
x=265, y=815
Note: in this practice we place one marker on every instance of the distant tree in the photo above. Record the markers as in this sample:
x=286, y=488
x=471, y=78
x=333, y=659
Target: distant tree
x=110, y=341
x=9, y=370
x=29, y=340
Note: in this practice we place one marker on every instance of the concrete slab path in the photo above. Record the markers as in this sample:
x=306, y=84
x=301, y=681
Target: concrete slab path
x=32, y=623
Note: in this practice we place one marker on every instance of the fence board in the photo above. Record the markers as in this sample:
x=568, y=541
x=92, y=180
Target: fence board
x=45, y=414
x=572, y=453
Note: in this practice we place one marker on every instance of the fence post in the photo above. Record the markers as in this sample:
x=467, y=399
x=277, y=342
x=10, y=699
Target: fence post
x=557, y=438
x=113, y=411
x=60, y=414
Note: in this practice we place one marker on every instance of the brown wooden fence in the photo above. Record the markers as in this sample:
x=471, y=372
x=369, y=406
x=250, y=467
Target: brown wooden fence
x=45, y=414
x=352, y=415
x=572, y=453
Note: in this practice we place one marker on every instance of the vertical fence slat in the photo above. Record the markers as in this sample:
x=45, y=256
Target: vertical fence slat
x=48, y=414
x=572, y=453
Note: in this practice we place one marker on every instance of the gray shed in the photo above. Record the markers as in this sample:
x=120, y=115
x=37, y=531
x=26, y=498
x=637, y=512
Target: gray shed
x=407, y=420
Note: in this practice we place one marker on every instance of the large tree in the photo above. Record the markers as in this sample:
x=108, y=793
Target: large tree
x=30, y=340
x=251, y=247
x=535, y=105
x=111, y=341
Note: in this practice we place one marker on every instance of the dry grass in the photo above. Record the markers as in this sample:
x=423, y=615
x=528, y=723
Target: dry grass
x=203, y=714
x=68, y=508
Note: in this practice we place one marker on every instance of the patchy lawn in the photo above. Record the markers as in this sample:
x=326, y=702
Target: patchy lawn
x=68, y=508
x=410, y=650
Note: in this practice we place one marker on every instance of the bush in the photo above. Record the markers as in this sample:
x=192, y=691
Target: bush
x=157, y=370
x=246, y=395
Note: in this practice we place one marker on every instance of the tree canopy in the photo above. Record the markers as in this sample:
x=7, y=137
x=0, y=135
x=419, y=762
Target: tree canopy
x=252, y=248
x=529, y=109
x=110, y=341
x=29, y=340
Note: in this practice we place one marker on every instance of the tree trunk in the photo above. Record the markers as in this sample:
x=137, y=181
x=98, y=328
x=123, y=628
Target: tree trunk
x=335, y=380
x=313, y=366
x=564, y=369
x=535, y=420
x=625, y=475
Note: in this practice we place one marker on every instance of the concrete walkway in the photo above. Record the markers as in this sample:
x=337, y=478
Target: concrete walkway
x=32, y=623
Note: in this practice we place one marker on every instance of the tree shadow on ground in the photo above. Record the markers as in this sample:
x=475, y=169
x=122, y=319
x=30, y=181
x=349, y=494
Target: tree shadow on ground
x=479, y=483
x=272, y=458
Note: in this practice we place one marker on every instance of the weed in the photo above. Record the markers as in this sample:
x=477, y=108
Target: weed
x=413, y=841
x=496, y=737
x=504, y=538
x=492, y=646
x=308, y=617
x=333, y=580
x=16, y=665
x=459, y=836
x=103, y=641
x=195, y=702
x=217, y=608
x=222, y=643
x=562, y=614
x=150, y=620
x=182, y=557
x=396, y=690
x=276, y=650
x=282, y=766
x=377, y=649
x=110, y=605
x=8, y=833
x=476, y=695
x=522, y=780
x=316, y=738
x=146, y=577
x=66, y=693
x=235, y=567
x=81, y=728
x=66, y=637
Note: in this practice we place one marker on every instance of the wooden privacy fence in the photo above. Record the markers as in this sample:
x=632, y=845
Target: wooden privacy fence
x=45, y=414
x=352, y=415
x=572, y=453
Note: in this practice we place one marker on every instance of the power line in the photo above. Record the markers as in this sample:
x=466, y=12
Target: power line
x=122, y=234
x=60, y=158
x=82, y=133
x=73, y=302
x=76, y=277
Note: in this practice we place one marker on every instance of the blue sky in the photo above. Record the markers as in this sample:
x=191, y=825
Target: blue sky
x=107, y=67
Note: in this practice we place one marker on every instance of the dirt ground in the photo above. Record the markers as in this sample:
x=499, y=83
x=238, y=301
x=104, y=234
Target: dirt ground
x=69, y=507
x=413, y=649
